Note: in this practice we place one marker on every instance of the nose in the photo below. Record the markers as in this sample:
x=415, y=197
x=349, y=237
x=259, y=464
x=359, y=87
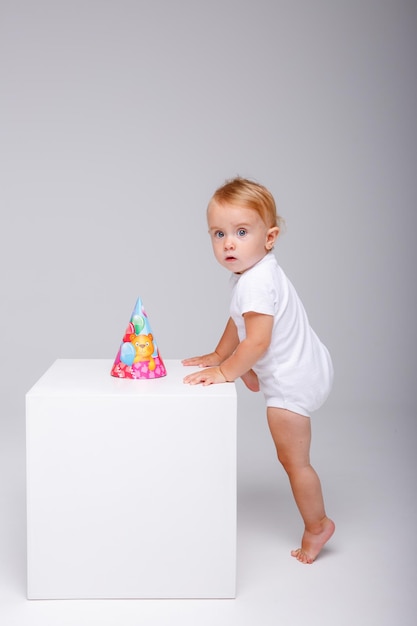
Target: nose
x=229, y=243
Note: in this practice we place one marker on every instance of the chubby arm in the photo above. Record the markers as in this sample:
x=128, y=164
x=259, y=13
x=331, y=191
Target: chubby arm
x=247, y=353
x=226, y=346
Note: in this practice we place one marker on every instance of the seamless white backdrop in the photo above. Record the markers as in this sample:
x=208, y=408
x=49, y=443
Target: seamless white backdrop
x=119, y=119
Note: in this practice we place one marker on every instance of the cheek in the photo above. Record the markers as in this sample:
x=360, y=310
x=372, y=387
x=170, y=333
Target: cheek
x=217, y=249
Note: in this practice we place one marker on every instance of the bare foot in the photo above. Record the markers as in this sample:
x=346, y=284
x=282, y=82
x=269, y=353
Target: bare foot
x=312, y=543
x=251, y=380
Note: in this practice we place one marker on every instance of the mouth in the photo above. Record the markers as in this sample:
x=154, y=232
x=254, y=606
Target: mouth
x=230, y=259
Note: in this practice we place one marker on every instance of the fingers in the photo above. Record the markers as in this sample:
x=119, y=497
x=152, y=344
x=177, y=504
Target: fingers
x=196, y=379
x=209, y=376
x=206, y=360
x=196, y=361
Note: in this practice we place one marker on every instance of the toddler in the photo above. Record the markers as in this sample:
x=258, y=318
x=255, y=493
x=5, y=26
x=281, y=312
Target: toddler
x=269, y=343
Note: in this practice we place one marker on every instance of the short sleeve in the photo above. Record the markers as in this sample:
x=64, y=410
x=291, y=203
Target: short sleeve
x=254, y=292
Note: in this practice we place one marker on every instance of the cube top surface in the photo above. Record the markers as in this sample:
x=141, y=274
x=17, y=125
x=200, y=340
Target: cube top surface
x=91, y=377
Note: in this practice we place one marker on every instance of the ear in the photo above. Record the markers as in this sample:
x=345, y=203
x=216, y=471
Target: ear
x=271, y=237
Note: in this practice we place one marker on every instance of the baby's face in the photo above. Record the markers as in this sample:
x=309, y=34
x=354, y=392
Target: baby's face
x=239, y=236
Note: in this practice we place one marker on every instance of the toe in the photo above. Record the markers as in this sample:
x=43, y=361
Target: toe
x=298, y=553
x=301, y=556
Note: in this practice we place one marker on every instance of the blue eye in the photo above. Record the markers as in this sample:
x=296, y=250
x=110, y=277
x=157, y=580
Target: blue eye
x=242, y=232
x=219, y=234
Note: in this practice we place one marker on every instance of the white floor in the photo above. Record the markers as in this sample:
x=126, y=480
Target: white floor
x=365, y=577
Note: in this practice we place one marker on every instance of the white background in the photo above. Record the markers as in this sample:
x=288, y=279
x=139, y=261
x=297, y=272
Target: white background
x=118, y=121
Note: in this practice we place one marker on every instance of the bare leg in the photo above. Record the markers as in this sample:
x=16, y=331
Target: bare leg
x=251, y=380
x=291, y=433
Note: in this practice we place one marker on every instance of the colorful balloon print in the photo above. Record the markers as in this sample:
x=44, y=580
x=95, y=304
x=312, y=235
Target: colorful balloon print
x=127, y=353
x=138, y=323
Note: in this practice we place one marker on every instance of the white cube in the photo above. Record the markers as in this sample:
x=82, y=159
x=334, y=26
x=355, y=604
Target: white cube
x=131, y=485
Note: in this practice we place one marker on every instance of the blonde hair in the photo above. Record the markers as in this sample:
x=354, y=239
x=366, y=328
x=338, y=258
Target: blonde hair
x=251, y=195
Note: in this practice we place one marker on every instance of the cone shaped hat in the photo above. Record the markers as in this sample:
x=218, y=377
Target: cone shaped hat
x=138, y=355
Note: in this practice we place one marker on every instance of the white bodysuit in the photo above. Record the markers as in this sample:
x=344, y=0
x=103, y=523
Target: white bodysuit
x=296, y=371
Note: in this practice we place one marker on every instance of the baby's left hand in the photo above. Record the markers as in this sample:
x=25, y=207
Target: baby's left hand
x=208, y=376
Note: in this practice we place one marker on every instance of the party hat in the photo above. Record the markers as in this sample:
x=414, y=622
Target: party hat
x=138, y=355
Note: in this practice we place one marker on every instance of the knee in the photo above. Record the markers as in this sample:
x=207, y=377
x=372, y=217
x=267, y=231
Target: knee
x=286, y=461
x=292, y=465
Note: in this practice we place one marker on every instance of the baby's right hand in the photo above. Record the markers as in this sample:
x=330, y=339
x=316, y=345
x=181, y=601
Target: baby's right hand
x=206, y=360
